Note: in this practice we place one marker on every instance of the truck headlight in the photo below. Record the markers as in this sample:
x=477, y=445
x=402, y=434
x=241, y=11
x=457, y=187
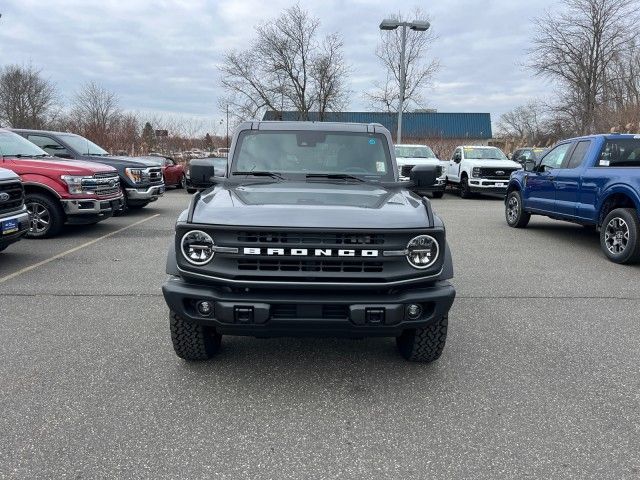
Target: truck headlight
x=197, y=247
x=135, y=174
x=475, y=172
x=74, y=183
x=422, y=251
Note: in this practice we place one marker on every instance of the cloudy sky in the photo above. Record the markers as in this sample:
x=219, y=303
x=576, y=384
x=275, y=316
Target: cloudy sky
x=162, y=56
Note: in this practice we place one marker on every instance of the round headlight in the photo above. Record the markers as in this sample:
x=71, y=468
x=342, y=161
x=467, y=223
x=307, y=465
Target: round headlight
x=422, y=251
x=197, y=247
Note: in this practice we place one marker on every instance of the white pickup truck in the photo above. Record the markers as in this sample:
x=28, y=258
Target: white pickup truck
x=480, y=169
x=408, y=156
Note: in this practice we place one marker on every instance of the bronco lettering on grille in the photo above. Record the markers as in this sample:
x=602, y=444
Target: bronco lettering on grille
x=305, y=252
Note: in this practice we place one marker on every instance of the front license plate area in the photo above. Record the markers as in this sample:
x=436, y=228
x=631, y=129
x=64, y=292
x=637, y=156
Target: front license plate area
x=10, y=226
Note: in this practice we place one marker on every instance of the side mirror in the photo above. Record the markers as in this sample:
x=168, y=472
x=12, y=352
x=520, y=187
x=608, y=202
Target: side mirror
x=529, y=165
x=424, y=175
x=202, y=173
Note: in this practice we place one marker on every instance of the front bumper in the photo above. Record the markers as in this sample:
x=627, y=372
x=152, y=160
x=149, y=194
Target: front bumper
x=88, y=206
x=23, y=227
x=269, y=313
x=481, y=185
x=146, y=194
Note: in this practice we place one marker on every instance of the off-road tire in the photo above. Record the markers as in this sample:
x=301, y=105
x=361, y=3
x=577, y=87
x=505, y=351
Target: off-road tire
x=514, y=214
x=192, y=341
x=54, y=213
x=631, y=251
x=438, y=194
x=423, y=344
x=465, y=191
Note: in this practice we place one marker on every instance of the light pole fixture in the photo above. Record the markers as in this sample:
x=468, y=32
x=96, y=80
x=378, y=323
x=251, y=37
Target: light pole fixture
x=418, y=26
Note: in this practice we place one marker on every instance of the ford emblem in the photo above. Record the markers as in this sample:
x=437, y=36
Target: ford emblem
x=4, y=197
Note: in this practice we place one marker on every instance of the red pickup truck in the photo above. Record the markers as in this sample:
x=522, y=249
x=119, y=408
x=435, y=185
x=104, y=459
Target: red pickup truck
x=59, y=191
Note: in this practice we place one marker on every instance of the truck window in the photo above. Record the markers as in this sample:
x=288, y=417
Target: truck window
x=555, y=157
x=49, y=145
x=579, y=153
x=620, y=153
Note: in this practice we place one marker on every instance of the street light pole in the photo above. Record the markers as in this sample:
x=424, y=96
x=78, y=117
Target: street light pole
x=418, y=26
x=227, y=125
x=403, y=79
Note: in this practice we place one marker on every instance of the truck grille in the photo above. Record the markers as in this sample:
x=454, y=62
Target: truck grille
x=102, y=184
x=496, y=173
x=16, y=196
x=405, y=170
x=155, y=175
x=324, y=311
x=313, y=238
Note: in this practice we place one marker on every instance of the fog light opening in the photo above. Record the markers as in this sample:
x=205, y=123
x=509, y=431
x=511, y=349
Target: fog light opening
x=414, y=311
x=205, y=308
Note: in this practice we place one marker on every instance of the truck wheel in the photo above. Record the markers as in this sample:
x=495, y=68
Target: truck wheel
x=183, y=182
x=620, y=236
x=438, y=194
x=516, y=216
x=46, y=217
x=423, y=344
x=192, y=341
x=465, y=191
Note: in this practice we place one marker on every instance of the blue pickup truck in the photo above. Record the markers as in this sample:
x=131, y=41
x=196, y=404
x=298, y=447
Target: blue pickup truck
x=593, y=181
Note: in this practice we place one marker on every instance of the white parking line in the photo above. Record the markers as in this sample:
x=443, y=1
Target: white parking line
x=74, y=249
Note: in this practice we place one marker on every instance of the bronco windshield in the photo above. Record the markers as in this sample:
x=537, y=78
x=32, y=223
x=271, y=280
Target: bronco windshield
x=13, y=145
x=82, y=145
x=414, y=152
x=490, y=153
x=301, y=153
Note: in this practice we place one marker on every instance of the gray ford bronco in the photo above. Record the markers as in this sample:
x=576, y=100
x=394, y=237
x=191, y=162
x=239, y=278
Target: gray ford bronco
x=308, y=231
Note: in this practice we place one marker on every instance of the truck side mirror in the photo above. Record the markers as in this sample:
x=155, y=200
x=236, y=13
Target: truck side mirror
x=529, y=165
x=424, y=175
x=202, y=173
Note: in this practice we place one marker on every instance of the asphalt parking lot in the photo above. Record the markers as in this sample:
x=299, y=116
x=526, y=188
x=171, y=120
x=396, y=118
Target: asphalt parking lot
x=540, y=377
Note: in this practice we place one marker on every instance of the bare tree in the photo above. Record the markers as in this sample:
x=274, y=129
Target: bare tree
x=577, y=48
x=525, y=123
x=27, y=100
x=286, y=67
x=95, y=111
x=419, y=70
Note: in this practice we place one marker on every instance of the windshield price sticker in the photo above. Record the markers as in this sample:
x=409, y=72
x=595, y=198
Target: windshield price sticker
x=380, y=166
x=604, y=163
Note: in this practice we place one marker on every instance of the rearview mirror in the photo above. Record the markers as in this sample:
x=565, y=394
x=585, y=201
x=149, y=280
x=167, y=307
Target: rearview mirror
x=424, y=175
x=202, y=173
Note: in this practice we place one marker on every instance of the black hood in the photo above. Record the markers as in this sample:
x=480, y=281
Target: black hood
x=312, y=205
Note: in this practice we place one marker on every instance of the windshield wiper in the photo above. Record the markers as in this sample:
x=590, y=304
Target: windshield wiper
x=260, y=174
x=335, y=176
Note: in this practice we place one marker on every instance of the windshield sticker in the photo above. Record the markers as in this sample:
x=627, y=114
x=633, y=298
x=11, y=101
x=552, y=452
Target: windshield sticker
x=379, y=165
x=604, y=163
x=372, y=141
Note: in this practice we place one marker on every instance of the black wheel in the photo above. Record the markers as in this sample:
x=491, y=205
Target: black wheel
x=46, y=217
x=438, y=194
x=423, y=344
x=465, y=191
x=183, y=182
x=620, y=236
x=515, y=215
x=192, y=341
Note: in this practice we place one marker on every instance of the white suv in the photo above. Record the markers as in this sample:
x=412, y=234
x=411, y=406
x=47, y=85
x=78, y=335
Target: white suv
x=480, y=169
x=408, y=156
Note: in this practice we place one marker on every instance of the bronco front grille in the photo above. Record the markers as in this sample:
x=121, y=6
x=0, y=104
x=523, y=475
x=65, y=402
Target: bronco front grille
x=310, y=238
x=334, y=266
x=16, y=196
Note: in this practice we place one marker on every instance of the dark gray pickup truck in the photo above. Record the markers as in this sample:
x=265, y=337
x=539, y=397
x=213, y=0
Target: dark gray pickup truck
x=309, y=232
